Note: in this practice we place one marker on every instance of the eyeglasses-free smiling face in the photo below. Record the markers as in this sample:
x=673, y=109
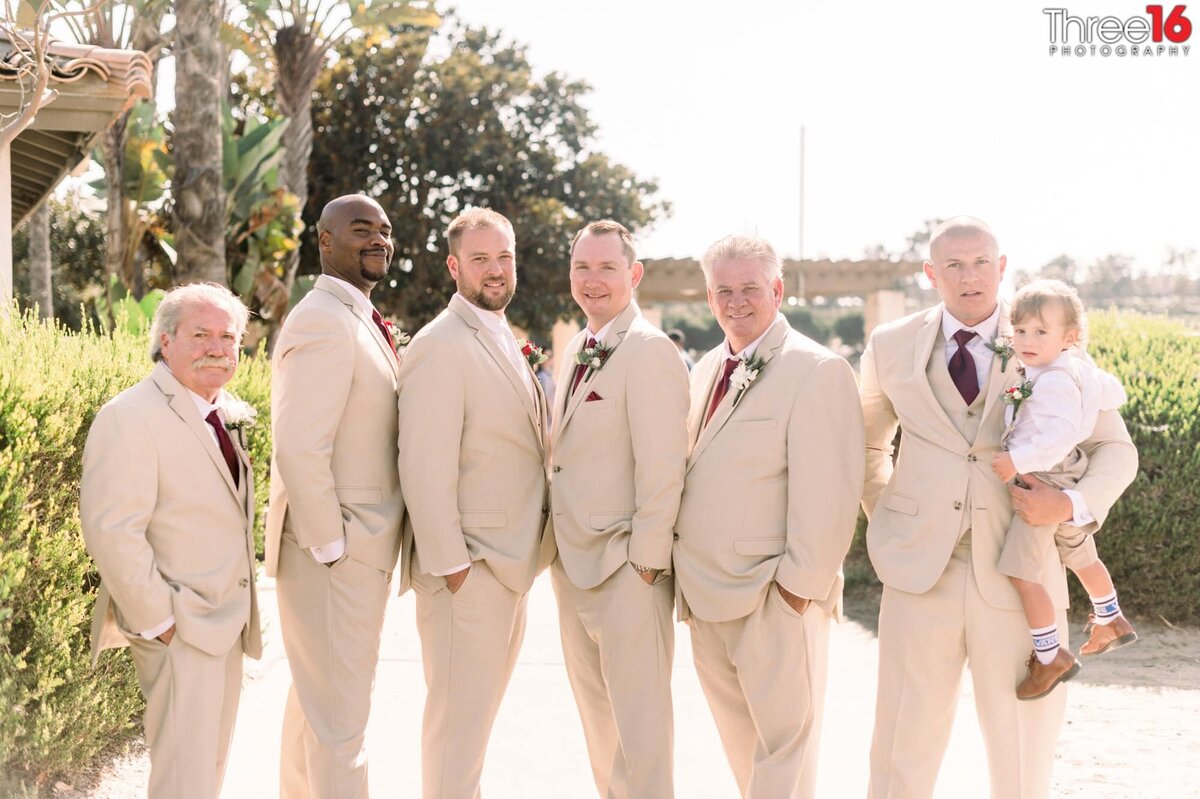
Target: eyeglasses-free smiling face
x=602, y=279
x=1039, y=339
x=203, y=352
x=484, y=267
x=744, y=299
x=357, y=245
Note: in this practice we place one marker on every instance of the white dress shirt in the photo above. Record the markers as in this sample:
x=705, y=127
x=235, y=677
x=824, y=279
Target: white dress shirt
x=987, y=330
x=1060, y=413
x=749, y=350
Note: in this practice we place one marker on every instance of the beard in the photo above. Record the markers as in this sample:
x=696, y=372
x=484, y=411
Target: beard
x=368, y=271
x=476, y=296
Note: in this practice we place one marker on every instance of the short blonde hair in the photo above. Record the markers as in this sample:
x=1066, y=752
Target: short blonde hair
x=166, y=316
x=475, y=219
x=1037, y=294
x=742, y=248
x=604, y=227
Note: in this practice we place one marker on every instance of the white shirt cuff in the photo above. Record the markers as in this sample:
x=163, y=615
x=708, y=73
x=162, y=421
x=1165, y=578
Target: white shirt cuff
x=329, y=552
x=154, y=632
x=1079, y=509
x=455, y=570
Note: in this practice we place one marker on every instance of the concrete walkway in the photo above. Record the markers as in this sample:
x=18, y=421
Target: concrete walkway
x=1119, y=741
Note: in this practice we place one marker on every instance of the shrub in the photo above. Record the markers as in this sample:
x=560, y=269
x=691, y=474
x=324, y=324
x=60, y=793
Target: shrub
x=58, y=712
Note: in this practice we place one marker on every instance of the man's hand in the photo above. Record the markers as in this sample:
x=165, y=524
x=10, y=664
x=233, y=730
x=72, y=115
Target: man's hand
x=797, y=603
x=1041, y=503
x=1002, y=465
x=454, y=581
x=168, y=635
x=648, y=575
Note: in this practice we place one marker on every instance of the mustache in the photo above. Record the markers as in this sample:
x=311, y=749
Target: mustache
x=213, y=360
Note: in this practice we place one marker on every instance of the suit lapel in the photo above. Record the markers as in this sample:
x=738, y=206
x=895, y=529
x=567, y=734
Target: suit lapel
x=329, y=286
x=488, y=341
x=766, y=350
x=566, y=374
x=923, y=345
x=999, y=380
x=616, y=334
x=185, y=408
x=706, y=375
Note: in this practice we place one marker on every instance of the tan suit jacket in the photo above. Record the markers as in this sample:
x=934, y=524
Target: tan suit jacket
x=333, y=407
x=917, y=507
x=472, y=452
x=771, y=486
x=167, y=528
x=619, y=460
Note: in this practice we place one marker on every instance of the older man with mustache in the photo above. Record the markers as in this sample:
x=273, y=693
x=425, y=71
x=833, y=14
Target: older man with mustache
x=167, y=508
x=333, y=527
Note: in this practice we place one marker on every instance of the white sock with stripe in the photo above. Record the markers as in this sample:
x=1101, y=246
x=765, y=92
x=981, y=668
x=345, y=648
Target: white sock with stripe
x=1105, y=609
x=1045, y=643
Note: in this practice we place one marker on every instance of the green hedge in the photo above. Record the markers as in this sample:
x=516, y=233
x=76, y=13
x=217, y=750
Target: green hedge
x=56, y=712
x=1149, y=541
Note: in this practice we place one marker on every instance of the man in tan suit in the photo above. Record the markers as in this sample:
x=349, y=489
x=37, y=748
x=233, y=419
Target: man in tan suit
x=619, y=444
x=937, y=522
x=333, y=525
x=167, y=505
x=768, y=511
x=473, y=464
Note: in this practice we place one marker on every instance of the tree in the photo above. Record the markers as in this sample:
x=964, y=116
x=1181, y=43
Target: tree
x=475, y=127
x=198, y=187
x=1062, y=268
x=300, y=34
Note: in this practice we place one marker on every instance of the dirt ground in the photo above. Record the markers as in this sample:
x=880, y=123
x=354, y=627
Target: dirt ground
x=1132, y=730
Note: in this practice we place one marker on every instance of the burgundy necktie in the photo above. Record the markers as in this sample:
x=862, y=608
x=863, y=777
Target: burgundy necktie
x=387, y=334
x=226, y=444
x=582, y=367
x=722, y=387
x=962, y=367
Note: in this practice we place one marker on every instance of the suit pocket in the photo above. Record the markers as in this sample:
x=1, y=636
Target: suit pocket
x=750, y=425
x=759, y=546
x=600, y=404
x=606, y=519
x=482, y=518
x=358, y=495
x=901, y=504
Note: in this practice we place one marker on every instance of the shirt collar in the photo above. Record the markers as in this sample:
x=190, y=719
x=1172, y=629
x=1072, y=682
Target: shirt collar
x=602, y=332
x=494, y=321
x=203, y=406
x=987, y=329
x=748, y=351
x=356, y=294
x=1061, y=361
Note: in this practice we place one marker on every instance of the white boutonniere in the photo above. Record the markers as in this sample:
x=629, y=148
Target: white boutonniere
x=1002, y=346
x=593, y=357
x=399, y=337
x=743, y=375
x=238, y=416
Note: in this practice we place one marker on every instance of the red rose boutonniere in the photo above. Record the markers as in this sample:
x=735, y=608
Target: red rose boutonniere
x=532, y=352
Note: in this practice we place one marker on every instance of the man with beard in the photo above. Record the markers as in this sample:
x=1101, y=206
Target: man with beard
x=472, y=459
x=166, y=502
x=333, y=526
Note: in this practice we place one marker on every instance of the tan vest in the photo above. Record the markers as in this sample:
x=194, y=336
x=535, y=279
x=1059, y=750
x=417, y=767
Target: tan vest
x=966, y=418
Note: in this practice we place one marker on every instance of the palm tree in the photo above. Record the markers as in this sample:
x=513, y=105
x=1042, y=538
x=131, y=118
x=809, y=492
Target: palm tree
x=198, y=188
x=299, y=35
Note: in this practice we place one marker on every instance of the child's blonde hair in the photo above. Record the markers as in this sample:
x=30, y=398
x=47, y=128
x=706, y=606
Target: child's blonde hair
x=1037, y=294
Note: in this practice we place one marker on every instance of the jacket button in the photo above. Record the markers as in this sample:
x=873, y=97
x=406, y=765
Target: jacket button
x=557, y=469
x=957, y=505
x=675, y=536
x=972, y=458
x=244, y=582
x=970, y=413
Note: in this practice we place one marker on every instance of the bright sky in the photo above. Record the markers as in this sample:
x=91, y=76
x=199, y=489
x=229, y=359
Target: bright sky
x=911, y=112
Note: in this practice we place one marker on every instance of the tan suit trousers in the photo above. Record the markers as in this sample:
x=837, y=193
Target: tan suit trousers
x=618, y=644
x=331, y=618
x=924, y=639
x=764, y=678
x=191, y=703
x=469, y=645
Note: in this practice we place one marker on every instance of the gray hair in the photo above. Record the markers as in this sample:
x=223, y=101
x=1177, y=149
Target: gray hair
x=742, y=248
x=166, y=318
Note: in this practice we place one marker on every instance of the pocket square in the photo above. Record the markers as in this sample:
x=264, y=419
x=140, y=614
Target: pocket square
x=592, y=397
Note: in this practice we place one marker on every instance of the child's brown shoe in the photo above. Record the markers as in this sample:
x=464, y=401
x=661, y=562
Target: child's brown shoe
x=1040, y=678
x=1107, y=637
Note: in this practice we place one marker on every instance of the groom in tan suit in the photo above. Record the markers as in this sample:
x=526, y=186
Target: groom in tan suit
x=167, y=505
x=333, y=525
x=768, y=511
x=619, y=446
x=473, y=443
x=938, y=517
